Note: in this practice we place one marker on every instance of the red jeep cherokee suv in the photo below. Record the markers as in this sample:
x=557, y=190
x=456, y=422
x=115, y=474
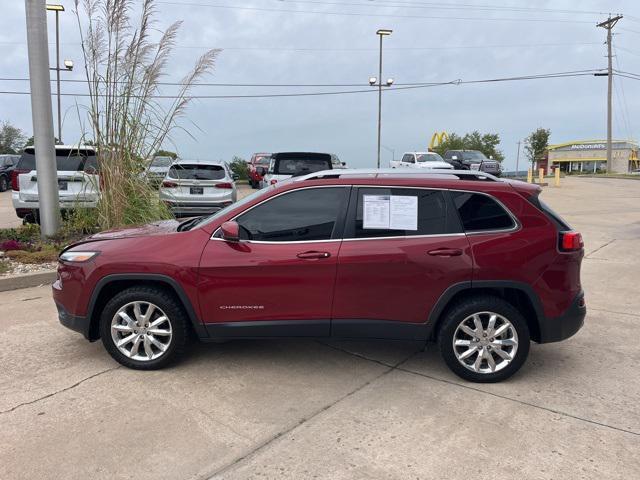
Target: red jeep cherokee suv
x=480, y=265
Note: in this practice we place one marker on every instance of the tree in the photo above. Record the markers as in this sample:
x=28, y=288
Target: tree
x=239, y=167
x=536, y=144
x=11, y=138
x=166, y=153
x=486, y=143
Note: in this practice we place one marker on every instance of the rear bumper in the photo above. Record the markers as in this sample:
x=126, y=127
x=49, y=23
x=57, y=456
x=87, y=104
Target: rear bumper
x=566, y=325
x=73, y=322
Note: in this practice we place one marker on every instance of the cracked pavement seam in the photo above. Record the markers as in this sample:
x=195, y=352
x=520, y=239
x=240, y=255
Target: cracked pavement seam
x=49, y=395
x=475, y=389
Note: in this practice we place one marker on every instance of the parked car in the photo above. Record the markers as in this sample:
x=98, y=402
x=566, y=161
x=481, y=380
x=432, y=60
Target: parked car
x=78, y=181
x=195, y=188
x=258, y=166
x=481, y=267
x=428, y=160
x=7, y=165
x=472, y=160
x=158, y=169
x=293, y=164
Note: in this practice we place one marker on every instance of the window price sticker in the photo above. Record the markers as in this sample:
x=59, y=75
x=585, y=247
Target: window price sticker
x=391, y=212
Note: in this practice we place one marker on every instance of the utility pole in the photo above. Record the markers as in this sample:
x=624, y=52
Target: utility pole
x=38, y=49
x=518, y=159
x=383, y=32
x=609, y=24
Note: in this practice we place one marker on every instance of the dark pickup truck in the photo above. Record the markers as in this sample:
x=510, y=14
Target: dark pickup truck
x=472, y=160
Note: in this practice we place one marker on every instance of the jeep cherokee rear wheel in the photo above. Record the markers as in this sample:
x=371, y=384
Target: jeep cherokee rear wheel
x=144, y=328
x=484, y=339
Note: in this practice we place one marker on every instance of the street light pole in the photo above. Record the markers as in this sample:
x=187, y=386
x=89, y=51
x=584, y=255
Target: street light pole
x=381, y=33
x=58, y=9
x=58, y=76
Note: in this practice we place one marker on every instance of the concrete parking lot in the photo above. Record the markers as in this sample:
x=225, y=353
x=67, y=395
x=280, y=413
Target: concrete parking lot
x=339, y=410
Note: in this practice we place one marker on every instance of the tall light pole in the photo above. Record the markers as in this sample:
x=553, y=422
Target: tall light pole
x=40, y=83
x=67, y=63
x=381, y=33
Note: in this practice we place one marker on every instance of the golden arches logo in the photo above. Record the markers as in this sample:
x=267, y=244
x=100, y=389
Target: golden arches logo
x=437, y=139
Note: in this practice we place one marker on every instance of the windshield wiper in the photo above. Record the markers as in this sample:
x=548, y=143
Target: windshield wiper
x=185, y=226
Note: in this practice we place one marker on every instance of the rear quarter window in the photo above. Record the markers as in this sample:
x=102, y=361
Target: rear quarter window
x=479, y=212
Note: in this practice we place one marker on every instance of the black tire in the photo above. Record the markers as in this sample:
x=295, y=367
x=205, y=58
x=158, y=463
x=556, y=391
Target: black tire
x=4, y=184
x=464, y=309
x=172, y=309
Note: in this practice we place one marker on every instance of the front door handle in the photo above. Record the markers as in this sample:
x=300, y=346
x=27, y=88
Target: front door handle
x=445, y=252
x=313, y=254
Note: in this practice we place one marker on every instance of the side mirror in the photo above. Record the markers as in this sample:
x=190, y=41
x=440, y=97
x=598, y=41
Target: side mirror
x=230, y=231
x=262, y=171
x=454, y=157
x=344, y=164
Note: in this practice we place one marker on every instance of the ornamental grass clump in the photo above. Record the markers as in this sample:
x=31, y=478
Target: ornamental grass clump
x=127, y=120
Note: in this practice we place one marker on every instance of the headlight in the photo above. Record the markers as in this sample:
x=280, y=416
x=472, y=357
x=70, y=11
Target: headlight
x=75, y=256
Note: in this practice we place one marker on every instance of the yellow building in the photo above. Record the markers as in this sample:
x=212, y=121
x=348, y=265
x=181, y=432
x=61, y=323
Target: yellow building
x=591, y=156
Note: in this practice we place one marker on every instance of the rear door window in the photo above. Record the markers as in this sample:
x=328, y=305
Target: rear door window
x=304, y=215
x=479, y=212
x=433, y=217
x=197, y=172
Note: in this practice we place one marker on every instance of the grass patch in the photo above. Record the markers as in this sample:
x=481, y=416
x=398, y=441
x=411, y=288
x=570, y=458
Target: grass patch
x=4, y=267
x=46, y=255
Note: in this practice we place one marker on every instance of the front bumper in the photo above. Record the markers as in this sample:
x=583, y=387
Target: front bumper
x=73, y=322
x=566, y=325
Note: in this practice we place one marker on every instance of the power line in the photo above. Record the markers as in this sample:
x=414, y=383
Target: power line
x=374, y=15
x=345, y=92
x=301, y=85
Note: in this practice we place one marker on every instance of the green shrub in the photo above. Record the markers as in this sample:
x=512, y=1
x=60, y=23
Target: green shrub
x=24, y=234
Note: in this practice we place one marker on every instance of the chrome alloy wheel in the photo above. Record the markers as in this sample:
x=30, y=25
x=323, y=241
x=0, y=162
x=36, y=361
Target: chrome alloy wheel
x=141, y=331
x=485, y=342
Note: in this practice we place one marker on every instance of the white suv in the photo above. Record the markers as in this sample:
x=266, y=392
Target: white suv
x=78, y=181
x=427, y=160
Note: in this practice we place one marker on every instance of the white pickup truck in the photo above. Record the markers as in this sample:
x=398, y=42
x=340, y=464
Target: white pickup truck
x=426, y=160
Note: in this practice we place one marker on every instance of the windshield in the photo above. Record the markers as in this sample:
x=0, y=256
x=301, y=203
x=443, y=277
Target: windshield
x=297, y=166
x=474, y=157
x=69, y=160
x=429, y=157
x=162, y=162
x=263, y=161
x=249, y=198
x=197, y=172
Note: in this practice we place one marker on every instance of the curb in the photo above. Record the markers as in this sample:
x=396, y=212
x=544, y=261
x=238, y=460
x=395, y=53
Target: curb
x=27, y=280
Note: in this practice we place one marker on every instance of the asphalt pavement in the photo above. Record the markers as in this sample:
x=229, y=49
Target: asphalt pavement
x=339, y=410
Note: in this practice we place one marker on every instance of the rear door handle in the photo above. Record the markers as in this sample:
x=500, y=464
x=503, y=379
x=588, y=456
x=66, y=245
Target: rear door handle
x=445, y=252
x=313, y=254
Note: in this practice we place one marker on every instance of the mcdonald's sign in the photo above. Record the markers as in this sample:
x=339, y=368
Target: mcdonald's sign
x=437, y=139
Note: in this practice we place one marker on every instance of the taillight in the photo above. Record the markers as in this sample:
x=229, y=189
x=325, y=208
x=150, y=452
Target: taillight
x=224, y=185
x=273, y=182
x=15, y=181
x=570, y=241
x=168, y=184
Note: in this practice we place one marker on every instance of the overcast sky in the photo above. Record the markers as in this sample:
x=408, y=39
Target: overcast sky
x=275, y=41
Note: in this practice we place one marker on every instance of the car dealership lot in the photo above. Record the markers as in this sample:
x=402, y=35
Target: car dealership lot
x=299, y=409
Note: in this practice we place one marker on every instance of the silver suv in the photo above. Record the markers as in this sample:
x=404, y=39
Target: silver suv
x=193, y=188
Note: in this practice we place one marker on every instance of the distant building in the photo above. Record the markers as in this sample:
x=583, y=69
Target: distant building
x=591, y=156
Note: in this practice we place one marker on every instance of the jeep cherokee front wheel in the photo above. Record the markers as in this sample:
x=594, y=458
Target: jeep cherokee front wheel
x=484, y=339
x=143, y=328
